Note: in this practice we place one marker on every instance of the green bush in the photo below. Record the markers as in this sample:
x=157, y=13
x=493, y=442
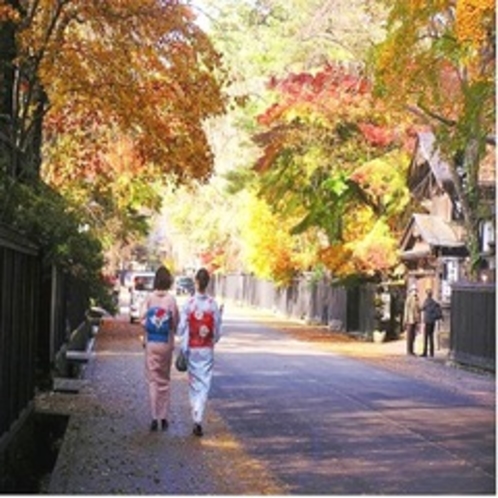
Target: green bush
x=57, y=228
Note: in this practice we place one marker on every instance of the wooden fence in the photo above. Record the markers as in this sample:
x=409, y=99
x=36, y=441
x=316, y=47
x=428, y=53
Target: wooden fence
x=305, y=298
x=317, y=301
x=471, y=317
x=473, y=325
x=19, y=306
x=38, y=310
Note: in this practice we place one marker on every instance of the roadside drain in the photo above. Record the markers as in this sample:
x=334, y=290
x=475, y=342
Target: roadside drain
x=33, y=455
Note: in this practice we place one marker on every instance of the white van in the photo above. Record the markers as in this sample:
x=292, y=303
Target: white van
x=142, y=283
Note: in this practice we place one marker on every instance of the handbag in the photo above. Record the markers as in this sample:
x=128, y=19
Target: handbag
x=181, y=361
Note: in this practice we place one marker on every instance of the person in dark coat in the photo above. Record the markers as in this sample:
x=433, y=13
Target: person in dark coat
x=431, y=310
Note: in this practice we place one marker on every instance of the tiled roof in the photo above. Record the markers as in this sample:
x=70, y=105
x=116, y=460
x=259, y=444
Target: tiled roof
x=437, y=232
x=434, y=231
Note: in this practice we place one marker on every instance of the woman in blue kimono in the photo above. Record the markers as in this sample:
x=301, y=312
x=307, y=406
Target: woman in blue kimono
x=199, y=329
x=160, y=319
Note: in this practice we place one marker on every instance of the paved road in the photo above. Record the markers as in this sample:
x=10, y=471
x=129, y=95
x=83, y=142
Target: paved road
x=286, y=417
x=324, y=423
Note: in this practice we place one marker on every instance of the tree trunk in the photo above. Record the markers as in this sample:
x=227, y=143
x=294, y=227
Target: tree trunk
x=469, y=196
x=8, y=52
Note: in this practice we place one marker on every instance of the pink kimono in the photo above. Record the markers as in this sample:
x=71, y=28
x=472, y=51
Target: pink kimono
x=158, y=357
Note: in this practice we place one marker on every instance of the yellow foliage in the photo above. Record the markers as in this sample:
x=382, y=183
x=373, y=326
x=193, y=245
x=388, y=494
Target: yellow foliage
x=338, y=259
x=368, y=248
x=377, y=251
x=357, y=222
x=142, y=65
x=474, y=18
x=269, y=249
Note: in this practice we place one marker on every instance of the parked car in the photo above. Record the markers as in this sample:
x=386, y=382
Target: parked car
x=142, y=283
x=184, y=285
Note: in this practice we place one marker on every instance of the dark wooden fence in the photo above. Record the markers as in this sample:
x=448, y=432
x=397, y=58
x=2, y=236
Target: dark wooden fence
x=39, y=308
x=305, y=299
x=473, y=325
x=19, y=306
x=319, y=302
x=471, y=317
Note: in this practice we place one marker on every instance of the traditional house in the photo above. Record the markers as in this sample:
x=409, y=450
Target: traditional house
x=433, y=246
x=434, y=252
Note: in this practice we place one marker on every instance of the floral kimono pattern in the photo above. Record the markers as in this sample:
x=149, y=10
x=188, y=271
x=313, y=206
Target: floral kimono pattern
x=199, y=329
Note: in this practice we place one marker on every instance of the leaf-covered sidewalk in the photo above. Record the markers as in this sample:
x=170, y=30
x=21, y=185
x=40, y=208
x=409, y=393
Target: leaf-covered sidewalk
x=108, y=448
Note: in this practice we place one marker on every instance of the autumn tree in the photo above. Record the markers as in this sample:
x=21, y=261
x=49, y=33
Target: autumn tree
x=269, y=249
x=102, y=175
x=259, y=40
x=202, y=224
x=144, y=66
x=263, y=39
x=438, y=61
x=115, y=92
x=336, y=158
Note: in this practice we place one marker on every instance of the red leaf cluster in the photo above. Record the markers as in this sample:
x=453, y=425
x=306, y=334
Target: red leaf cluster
x=327, y=89
x=377, y=136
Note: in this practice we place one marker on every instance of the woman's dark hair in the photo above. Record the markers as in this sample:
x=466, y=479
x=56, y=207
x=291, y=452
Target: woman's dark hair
x=202, y=278
x=163, y=279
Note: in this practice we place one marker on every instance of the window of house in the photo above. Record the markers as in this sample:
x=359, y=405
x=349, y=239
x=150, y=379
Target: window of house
x=451, y=273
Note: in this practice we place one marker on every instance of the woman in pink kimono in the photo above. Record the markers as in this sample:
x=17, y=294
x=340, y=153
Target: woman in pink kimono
x=199, y=328
x=160, y=319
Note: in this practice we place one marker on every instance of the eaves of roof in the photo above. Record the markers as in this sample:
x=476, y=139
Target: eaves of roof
x=437, y=232
x=434, y=231
x=414, y=254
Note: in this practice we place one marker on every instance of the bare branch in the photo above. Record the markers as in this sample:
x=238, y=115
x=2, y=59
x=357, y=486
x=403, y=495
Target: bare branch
x=423, y=112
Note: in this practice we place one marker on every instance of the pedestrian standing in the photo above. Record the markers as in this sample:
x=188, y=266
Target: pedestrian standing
x=160, y=318
x=411, y=318
x=200, y=330
x=432, y=313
